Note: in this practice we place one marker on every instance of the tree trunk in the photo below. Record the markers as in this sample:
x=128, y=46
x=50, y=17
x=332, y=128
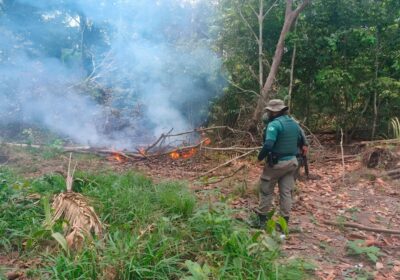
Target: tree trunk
x=86, y=58
x=374, y=123
x=290, y=16
x=292, y=71
x=260, y=45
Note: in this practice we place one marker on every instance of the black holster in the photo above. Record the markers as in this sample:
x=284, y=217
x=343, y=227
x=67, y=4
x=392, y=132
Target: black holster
x=272, y=159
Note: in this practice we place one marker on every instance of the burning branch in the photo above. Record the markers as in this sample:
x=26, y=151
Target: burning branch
x=160, y=139
x=198, y=130
x=185, y=152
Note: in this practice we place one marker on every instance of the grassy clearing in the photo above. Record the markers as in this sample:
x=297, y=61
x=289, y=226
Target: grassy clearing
x=154, y=231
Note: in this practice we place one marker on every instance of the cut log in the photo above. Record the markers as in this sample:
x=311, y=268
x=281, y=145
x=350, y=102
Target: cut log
x=361, y=227
x=394, y=174
x=378, y=142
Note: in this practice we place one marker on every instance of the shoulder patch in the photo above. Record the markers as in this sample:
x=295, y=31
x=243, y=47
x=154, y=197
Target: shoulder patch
x=271, y=128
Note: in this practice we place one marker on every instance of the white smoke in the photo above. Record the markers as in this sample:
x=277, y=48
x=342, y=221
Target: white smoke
x=149, y=65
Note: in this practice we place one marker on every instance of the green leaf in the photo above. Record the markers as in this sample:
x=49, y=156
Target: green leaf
x=270, y=243
x=198, y=272
x=47, y=213
x=270, y=226
x=282, y=222
x=358, y=247
x=61, y=240
x=372, y=257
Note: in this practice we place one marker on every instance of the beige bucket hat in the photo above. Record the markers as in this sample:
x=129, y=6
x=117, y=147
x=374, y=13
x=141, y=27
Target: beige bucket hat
x=276, y=105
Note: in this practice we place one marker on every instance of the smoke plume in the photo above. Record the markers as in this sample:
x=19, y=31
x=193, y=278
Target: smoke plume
x=107, y=73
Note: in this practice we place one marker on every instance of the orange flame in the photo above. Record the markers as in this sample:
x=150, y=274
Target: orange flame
x=189, y=153
x=117, y=157
x=185, y=153
x=174, y=155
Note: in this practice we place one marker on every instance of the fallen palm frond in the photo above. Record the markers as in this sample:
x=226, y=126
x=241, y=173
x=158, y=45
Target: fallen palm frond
x=395, y=122
x=75, y=209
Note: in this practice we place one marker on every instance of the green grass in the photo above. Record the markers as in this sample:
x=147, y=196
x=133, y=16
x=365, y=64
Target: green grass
x=153, y=231
x=20, y=215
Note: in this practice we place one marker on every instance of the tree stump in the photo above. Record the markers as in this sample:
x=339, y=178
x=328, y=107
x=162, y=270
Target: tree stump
x=379, y=157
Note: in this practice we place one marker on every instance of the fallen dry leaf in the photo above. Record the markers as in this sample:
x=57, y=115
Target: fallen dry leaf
x=380, y=182
x=379, y=265
x=331, y=275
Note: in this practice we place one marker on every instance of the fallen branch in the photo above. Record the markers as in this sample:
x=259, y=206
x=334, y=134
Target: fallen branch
x=221, y=178
x=197, y=130
x=126, y=155
x=21, y=145
x=333, y=158
x=228, y=162
x=130, y=156
x=143, y=154
x=385, y=141
x=162, y=137
x=231, y=149
x=394, y=174
x=179, y=149
x=315, y=138
x=361, y=227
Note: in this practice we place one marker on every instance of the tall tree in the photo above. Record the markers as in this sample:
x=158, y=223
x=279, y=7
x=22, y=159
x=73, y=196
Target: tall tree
x=290, y=17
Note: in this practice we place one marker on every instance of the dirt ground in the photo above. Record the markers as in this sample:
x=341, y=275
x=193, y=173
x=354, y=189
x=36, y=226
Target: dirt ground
x=364, y=196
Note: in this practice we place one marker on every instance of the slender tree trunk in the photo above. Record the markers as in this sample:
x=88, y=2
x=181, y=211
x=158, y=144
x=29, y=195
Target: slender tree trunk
x=86, y=58
x=290, y=16
x=375, y=104
x=82, y=27
x=260, y=45
x=292, y=71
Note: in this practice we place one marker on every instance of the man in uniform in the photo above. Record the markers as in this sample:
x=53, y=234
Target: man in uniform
x=280, y=148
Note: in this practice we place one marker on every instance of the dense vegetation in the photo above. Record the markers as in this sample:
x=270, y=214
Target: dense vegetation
x=340, y=61
x=153, y=231
x=346, y=63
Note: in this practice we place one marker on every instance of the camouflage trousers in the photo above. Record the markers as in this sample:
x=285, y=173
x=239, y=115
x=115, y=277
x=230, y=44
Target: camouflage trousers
x=282, y=173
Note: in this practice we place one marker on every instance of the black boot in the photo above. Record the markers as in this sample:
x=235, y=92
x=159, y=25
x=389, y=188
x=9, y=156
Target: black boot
x=262, y=220
x=287, y=220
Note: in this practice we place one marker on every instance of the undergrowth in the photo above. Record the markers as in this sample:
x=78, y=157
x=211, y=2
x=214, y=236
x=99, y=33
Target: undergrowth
x=153, y=231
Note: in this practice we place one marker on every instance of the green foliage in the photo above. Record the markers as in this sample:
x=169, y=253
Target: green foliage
x=48, y=184
x=154, y=231
x=395, y=123
x=80, y=266
x=346, y=54
x=358, y=273
x=20, y=216
x=176, y=198
x=197, y=271
x=359, y=248
x=28, y=134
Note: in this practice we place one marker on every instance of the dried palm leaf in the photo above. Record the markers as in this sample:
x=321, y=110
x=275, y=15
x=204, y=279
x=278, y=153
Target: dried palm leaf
x=75, y=209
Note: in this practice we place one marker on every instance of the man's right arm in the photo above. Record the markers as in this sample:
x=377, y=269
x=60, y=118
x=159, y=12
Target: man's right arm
x=303, y=143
